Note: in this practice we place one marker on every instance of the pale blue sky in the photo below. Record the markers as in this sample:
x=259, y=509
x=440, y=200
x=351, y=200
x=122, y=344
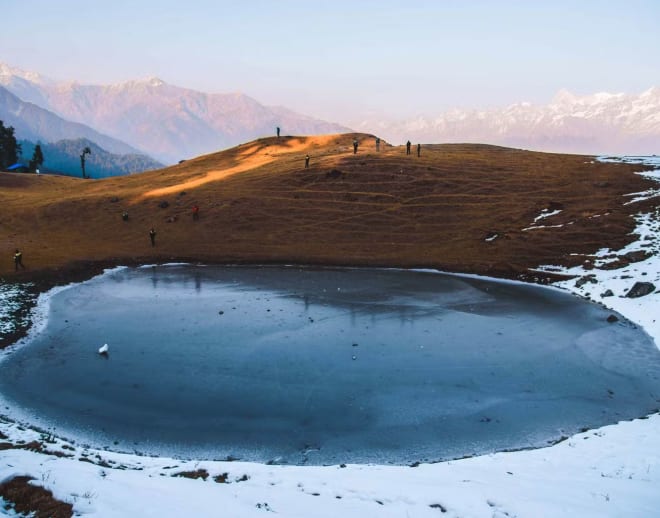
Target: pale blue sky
x=343, y=60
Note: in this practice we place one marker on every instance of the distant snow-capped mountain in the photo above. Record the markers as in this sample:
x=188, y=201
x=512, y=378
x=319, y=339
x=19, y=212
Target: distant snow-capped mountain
x=593, y=124
x=164, y=120
x=174, y=123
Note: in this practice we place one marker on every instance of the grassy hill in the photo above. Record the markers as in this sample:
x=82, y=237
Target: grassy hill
x=457, y=207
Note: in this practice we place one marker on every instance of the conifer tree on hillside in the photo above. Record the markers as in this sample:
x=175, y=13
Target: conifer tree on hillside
x=37, y=159
x=9, y=148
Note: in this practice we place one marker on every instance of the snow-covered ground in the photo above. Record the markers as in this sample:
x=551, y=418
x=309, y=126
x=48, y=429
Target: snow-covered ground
x=11, y=296
x=613, y=471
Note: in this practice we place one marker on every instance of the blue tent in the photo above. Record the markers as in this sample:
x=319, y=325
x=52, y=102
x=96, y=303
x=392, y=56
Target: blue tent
x=18, y=167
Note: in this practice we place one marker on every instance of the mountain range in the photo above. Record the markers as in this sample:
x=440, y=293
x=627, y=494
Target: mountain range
x=62, y=142
x=172, y=123
x=165, y=121
x=601, y=123
x=34, y=123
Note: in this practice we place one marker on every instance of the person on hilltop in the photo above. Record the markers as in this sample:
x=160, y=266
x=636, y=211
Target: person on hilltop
x=306, y=161
x=419, y=150
x=408, y=148
x=377, y=143
x=18, y=259
x=195, y=212
x=355, y=146
x=278, y=131
x=152, y=236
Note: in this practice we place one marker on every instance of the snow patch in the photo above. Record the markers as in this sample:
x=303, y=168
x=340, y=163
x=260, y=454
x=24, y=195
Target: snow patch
x=544, y=214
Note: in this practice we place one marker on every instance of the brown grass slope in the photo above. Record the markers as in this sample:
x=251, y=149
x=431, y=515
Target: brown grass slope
x=259, y=204
x=33, y=499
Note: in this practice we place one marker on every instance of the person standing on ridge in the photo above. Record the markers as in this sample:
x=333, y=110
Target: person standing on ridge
x=408, y=148
x=419, y=150
x=377, y=143
x=306, y=161
x=152, y=236
x=18, y=259
x=278, y=132
x=355, y=146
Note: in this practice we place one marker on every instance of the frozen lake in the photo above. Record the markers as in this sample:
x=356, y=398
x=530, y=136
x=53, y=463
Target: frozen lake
x=322, y=366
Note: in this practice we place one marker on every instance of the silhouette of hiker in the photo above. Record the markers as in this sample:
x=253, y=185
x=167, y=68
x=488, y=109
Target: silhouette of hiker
x=278, y=132
x=419, y=150
x=306, y=161
x=408, y=148
x=18, y=259
x=152, y=236
x=355, y=146
x=195, y=212
x=377, y=143
x=124, y=216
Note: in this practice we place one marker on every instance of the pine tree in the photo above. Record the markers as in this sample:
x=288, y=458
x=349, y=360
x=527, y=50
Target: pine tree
x=9, y=148
x=37, y=159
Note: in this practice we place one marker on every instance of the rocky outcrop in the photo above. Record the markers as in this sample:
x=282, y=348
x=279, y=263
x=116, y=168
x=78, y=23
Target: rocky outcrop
x=584, y=280
x=640, y=289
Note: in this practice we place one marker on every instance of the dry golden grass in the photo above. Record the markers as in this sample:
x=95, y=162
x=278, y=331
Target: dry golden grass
x=28, y=498
x=259, y=204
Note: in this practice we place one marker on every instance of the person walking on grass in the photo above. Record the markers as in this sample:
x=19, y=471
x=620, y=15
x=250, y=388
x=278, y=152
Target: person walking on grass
x=355, y=146
x=419, y=150
x=195, y=212
x=152, y=236
x=408, y=148
x=278, y=132
x=377, y=143
x=18, y=259
x=306, y=161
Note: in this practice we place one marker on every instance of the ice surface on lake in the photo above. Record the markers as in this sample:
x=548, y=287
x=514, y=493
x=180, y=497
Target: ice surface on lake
x=325, y=366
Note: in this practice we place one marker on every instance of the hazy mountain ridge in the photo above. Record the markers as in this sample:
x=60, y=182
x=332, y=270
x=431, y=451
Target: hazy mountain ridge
x=594, y=124
x=174, y=123
x=63, y=157
x=32, y=122
x=25, y=85
x=167, y=121
x=62, y=141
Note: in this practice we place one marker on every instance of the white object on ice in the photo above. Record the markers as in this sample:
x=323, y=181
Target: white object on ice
x=103, y=349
